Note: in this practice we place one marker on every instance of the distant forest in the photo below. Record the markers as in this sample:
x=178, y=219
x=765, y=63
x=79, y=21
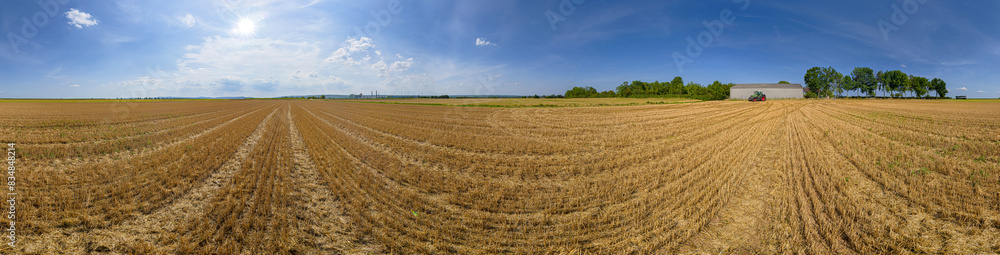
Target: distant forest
x=640, y=89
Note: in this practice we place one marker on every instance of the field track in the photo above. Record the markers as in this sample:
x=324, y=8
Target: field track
x=321, y=177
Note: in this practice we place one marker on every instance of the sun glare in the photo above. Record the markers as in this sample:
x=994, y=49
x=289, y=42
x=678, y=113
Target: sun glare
x=245, y=27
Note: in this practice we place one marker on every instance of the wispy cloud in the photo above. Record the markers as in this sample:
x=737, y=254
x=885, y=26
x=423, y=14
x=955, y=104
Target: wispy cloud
x=483, y=42
x=54, y=74
x=74, y=86
x=962, y=89
x=187, y=20
x=959, y=63
x=80, y=19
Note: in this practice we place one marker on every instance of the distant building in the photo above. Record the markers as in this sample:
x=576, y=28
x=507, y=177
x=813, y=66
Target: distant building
x=771, y=90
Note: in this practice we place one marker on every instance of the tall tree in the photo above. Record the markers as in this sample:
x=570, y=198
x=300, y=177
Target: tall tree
x=695, y=89
x=658, y=88
x=896, y=80
x=676, y=86
x=940, y=87
x=847, y=84
x=881, y=80
x=624, y=90
x=911, y=86
x=823, y=80
x=832, y=80
x=864, y=79
x=719, y=91
x=919, y=85
x=814, y=79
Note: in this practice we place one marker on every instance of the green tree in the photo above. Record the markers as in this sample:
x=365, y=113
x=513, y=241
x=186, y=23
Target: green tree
x=639, y=88
x=909, y=86
x=920, y=85
x=718, y=91
x=896, y=80
x=847, y=84
x=784, y=82
x=833, y=80
x=881, y=79
x=864, y=80
x=940, y=87
x=676, y=86
x=657, y=88
x=814, y=79
x=581, y=92
x=695, y=89
x=820, y=80
x=624, y=90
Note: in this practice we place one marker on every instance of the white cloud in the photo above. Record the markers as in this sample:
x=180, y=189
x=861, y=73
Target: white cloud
x=483, y=42
x=400, y=66
x=342, y=56
x=74, y=86
x=903, y=65
x=188, y=20
x=295, y=75
x=360, y=44
x=80, y=19
x=355, y=48
x=959, y=63
x=981, y=91
x=380, y=66
x=962, y=89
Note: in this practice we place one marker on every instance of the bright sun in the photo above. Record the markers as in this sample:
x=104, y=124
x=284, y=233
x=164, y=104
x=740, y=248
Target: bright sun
x=245, y=27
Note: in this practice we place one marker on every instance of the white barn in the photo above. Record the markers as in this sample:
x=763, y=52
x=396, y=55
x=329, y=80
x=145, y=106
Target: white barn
x=771, y=90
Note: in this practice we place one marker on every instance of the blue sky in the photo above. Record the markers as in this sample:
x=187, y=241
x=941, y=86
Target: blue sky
x=266, y=48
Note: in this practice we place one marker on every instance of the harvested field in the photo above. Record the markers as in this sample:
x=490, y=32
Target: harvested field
x=322, y=177
x=527, y=102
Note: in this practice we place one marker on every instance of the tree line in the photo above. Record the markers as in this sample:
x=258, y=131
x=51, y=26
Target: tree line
x=827, y=82
x=674, y=88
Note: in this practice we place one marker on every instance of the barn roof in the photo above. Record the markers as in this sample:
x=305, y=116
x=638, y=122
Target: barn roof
x=767, y=86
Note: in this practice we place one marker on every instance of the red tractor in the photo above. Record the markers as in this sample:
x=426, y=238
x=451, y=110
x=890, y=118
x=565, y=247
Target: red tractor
x=757, y=96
